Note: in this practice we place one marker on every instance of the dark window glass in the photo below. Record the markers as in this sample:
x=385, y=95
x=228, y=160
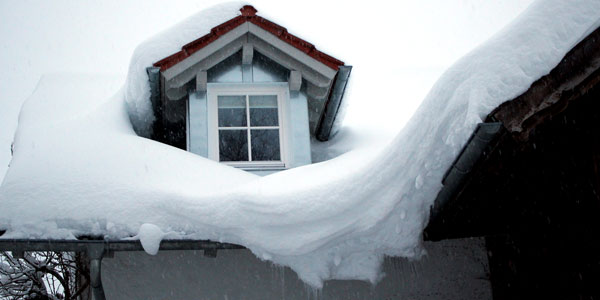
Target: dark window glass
x=263, y=110
x=232, y=111
x=265, y=144
x=233, y=145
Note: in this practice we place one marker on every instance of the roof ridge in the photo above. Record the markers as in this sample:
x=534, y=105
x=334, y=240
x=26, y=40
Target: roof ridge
x=248, y=14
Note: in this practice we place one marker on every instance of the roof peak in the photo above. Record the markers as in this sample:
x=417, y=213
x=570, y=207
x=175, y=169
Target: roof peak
x=248, y=14
x=248, y=11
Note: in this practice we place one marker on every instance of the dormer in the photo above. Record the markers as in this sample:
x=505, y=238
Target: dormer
x=248, y=94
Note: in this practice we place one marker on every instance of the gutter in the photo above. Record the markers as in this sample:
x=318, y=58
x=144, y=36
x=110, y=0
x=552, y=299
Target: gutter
x=476, y=148
x=98, y=249
x=333, y=104
x=576, y=74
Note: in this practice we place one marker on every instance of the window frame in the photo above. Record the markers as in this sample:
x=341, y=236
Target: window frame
x=238, y=89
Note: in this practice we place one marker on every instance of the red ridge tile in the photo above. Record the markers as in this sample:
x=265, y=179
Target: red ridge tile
x=248, y=14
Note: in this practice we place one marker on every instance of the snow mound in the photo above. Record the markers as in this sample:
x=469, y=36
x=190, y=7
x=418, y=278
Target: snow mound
x=137, y=88
x=150, y=237
x=79, y=168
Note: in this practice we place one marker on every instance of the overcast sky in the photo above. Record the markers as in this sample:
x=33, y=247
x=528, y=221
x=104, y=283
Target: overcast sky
x=397, y=49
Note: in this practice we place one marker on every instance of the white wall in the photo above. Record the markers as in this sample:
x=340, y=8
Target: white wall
x=454, y=269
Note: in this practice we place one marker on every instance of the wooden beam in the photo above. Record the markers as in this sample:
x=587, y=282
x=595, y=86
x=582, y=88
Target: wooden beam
x=295, y=81
x=289, y=62
x=247, y=54
x=206, y=52
x=292, y=51
x=208, y=62
x=201, y=81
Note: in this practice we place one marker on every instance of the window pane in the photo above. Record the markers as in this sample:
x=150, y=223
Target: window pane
x=263, y=110
x=233, y=145
x=265, y=144
x=232, y=111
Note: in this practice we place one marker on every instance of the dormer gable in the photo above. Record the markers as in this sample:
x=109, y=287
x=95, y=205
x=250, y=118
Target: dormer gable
x=261, y=57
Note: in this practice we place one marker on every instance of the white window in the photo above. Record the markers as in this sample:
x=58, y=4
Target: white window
x=247, y=126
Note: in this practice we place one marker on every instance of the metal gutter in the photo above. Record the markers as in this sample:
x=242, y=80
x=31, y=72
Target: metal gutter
x=98, y=249
x=455, y=176
x=333, y=104
x=108, y=245
x=574, y=75
x=154, y=81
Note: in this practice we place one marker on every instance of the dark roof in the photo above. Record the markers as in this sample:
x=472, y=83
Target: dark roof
x=248, y=15
x=535, y=162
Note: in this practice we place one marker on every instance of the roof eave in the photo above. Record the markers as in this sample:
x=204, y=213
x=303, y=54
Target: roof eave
x=514, y=120
x=98, y=249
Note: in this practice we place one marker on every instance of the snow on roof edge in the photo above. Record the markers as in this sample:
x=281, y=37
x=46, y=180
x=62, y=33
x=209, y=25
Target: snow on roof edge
x=137, y=88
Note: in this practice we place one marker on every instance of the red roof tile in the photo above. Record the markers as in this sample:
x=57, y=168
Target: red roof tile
x=248, y=15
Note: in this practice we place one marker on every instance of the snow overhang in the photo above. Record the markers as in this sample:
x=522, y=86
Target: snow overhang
x=485, y=190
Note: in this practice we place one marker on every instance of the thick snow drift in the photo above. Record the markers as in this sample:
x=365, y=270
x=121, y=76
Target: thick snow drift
x=79, y=168
x=137, y=88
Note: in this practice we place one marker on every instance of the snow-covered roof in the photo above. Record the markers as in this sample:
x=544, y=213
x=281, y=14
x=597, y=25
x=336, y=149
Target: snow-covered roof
x=79, y=168
x=164, y=44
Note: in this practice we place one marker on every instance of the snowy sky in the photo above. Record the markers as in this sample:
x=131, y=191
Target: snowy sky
x=397, y=49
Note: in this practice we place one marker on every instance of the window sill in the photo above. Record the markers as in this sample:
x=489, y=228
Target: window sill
x=277, y=166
